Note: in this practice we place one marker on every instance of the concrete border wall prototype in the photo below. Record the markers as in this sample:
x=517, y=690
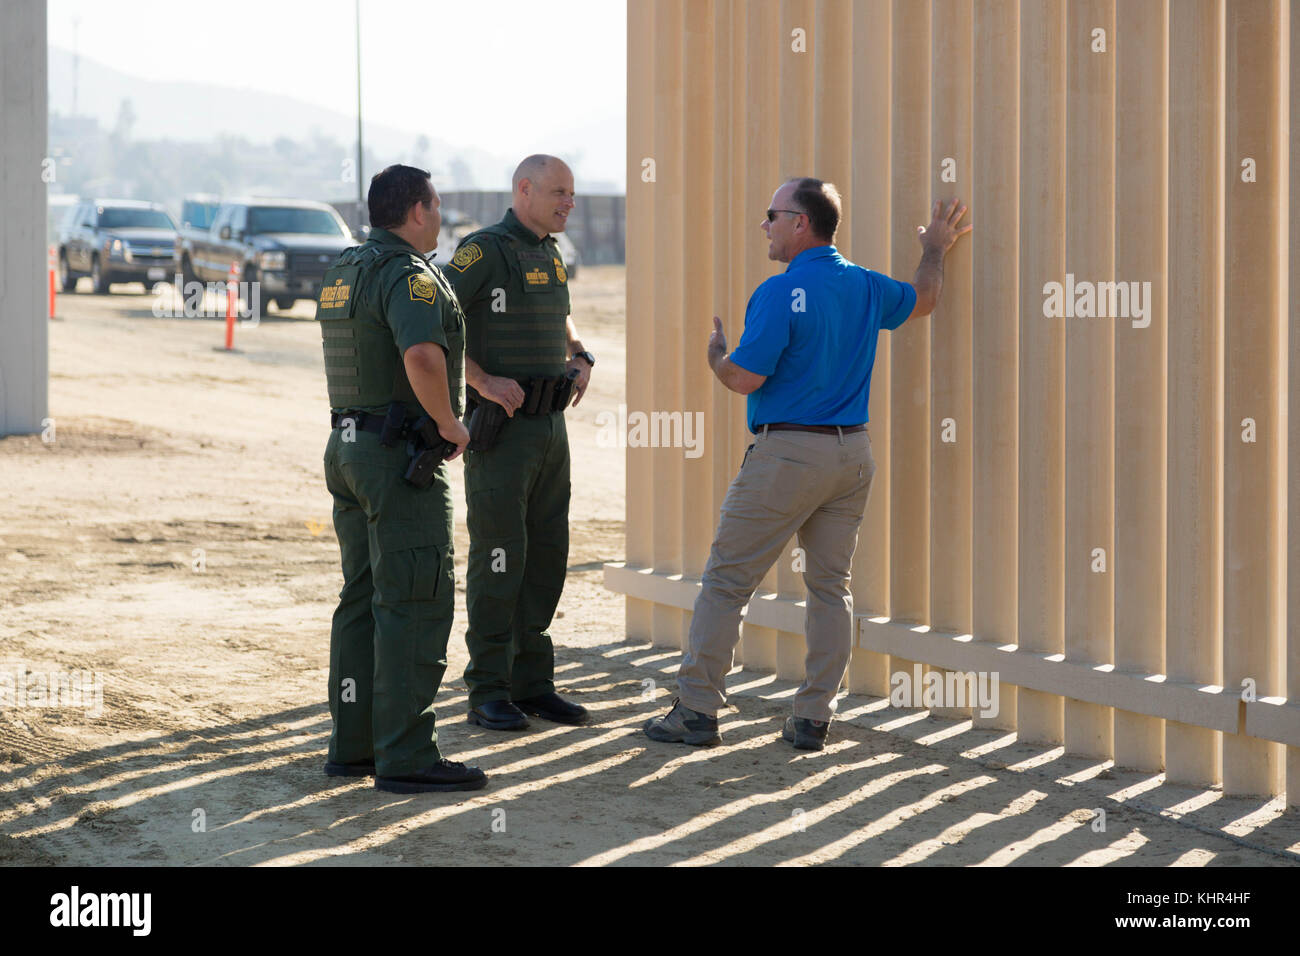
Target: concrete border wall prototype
x=24, y=291
x=1086, y=458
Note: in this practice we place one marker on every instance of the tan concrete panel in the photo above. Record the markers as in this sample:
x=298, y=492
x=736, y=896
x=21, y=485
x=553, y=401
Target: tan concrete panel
x=665, y=367
x=951, y=421
x=1042, y=354
x=1254, y=340
x=800, y=48
x=743, y=219
x=1194, y=616
x=833, y=105
x=995, y=247
x=741, y=222
x=1292, y=389
x=867, y=211
x=1141, y=215
x=1089, y=362
x=722, y=424
x=766, y=44
x=640, y=295
x=700, y=219
x=909, y=457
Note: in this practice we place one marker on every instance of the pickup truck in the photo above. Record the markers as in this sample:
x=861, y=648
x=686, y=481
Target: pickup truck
x=285, y=244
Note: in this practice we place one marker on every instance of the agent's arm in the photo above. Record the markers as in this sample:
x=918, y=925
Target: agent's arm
x=426, y=369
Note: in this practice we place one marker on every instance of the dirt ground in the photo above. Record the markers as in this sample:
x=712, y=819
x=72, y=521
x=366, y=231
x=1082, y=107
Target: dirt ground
x=174, y=538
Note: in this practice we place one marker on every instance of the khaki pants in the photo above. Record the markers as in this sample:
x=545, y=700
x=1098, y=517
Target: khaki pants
x=792, y=483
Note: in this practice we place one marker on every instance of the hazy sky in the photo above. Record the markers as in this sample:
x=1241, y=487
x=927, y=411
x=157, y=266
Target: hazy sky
x=509, y=76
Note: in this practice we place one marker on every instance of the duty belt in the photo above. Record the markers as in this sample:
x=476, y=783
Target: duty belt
x=544, y=394
x=366, y=421
x=399, y=426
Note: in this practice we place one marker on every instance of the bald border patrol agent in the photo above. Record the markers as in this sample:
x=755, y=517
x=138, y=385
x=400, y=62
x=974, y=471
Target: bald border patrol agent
x=393, y=337
x=524, y=365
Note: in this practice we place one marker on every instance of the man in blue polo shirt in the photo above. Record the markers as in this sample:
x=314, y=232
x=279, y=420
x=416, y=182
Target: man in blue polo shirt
x=804, y=361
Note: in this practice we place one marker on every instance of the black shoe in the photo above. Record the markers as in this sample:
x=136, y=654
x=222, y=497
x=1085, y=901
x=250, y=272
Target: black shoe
x=805, y=734
x=498, y=715
x=444, y=775
x=552, y=706
x=681, y=725
x=366, y=768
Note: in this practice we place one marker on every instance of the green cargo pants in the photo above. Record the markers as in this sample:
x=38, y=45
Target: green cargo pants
x=517, y=495
x=388, y=642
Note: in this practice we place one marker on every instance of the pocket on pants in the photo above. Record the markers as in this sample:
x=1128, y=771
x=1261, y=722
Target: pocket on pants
x=776, y=468
x=409, y=564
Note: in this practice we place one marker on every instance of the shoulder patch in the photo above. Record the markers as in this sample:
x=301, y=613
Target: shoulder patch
x=422, y=288
x=466, y=256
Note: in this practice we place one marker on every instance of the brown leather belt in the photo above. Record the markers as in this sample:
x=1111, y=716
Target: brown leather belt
x=819, y=429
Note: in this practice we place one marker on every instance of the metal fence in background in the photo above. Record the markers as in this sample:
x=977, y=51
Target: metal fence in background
x=596, y=225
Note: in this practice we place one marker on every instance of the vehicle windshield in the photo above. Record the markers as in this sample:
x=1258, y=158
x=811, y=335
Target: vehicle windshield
x=134, y=218
x=273, y=219
x=199, y=214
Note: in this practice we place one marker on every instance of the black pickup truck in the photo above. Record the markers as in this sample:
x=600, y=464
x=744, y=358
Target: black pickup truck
x=285, y=244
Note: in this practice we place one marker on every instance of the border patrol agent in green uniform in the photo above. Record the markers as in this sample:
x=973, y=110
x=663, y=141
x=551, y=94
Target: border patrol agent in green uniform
x=512, y=283
x=393, y=336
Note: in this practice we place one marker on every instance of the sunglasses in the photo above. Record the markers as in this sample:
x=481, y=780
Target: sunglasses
x=771, y=213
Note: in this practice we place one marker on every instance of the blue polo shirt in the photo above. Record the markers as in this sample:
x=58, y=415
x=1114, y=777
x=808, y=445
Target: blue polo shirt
x=812, y=331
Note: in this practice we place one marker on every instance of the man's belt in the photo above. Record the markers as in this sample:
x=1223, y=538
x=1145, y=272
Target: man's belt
x=818, y=429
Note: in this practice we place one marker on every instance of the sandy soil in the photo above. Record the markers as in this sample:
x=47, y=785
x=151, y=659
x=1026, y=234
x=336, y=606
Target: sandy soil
x=174, y=538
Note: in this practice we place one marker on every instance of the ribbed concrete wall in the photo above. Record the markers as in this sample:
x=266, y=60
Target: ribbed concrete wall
x=24, y=289
x=1096, y=510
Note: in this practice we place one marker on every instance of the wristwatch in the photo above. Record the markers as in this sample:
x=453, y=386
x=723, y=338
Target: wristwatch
x=587, y=356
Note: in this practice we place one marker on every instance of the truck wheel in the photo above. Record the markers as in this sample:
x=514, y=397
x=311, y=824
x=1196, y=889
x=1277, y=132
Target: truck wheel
x=97, y=277
x=187, y=270
x=284, y=302
x=67, y=278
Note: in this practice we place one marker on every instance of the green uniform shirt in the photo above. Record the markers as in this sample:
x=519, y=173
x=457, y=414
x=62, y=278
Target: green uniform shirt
x=400, y=300
x=515, y=292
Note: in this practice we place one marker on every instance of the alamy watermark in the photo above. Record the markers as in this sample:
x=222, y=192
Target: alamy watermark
x=1103, y=300
x=79, y=689
x=975, y=689
x=651, y=430
x=194, y=298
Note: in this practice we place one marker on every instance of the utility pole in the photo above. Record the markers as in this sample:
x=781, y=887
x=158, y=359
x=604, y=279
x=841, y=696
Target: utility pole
x=76, y=62
x=361, y=201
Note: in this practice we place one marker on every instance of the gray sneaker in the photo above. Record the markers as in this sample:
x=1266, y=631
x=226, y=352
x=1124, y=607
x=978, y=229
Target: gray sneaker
x=681, y=725
x=805, y=734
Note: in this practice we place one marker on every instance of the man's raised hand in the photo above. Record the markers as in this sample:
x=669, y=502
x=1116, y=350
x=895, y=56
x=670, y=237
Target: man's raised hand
x=943, y=230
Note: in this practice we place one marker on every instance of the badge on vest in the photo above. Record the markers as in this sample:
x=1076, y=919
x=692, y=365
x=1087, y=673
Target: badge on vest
x=537, y=276
x=466, y=256
x=422, y=288
x=559, y=270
